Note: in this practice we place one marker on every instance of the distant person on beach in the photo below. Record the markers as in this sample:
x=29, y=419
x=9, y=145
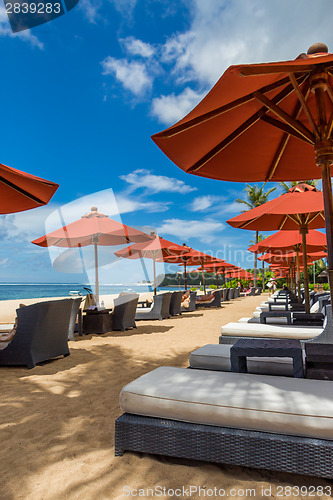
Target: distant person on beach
x=186, y=299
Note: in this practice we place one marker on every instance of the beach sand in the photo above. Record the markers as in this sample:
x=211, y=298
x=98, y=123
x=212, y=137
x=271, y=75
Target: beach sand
x=57, y=420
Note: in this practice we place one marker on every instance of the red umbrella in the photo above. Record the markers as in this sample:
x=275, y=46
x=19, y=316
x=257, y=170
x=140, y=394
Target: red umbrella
x=21, y=191
x=156, y=249
x=287, y=241
x=95, y=229
x=300, y=208
x=192, y=258
x=277, y=116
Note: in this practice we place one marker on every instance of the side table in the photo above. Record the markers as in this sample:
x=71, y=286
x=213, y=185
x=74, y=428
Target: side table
x=97, y=321
x=275, y=314
x=285, y=348
x=319, y=361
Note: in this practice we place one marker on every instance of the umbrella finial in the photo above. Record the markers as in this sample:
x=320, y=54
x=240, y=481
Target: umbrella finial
x=317, y=48
x=94, y=209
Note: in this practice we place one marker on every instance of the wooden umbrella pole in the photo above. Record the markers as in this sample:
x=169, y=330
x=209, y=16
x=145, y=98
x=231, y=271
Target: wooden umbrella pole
x=203, y=278
x=185, y=275
x=154, y=270
x=303, y=231
x=263, y=276
x=328, y=205
x=298, y=276
x=217, y=280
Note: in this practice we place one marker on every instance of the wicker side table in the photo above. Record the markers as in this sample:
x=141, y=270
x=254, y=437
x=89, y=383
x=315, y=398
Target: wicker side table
x=97, y=321
x=285, y=348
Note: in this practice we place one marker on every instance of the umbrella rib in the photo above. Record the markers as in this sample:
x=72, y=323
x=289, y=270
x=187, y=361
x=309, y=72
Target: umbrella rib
x=240, y=130
x=284, y=142
x=284, y=127
x=304, y=105
x=283, y=222
x=177, y=129
x=22, y=191
x=262, y=69
x=305, y=132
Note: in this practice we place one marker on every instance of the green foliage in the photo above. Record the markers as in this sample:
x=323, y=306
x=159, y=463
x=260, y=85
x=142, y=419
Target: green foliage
x=214, y=287
x=256, y=196
x=193, y=289
x=326, y=286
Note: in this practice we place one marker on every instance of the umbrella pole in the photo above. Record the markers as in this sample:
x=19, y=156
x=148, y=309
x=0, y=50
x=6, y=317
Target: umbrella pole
x=263, y=276
x=185, y=275
x=298, y=275
x=154, y=270
x=96, y=275
x=217, y=280
x=203, y=278
x=328, y=205
x=304, y=230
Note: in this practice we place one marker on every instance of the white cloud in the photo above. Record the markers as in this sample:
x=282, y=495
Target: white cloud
x=90, y=9
x=205, y=230
x=171, y=108
x=132, y=75
x=141, y=178
x=212, y=202
x=27, y=36
x=137, y=47
x=127, y=205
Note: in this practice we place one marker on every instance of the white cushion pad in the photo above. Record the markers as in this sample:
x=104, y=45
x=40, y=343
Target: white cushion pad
x=275, y=331
x=282, y=405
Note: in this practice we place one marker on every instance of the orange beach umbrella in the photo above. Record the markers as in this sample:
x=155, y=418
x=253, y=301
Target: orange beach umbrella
x=21, y=191
x=263, y=122
x=93, y=228
x=156, y=248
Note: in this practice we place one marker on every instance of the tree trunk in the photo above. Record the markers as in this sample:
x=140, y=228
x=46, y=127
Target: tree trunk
x=255, y=263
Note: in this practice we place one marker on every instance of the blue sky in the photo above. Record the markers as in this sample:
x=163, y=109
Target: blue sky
x=82, y=95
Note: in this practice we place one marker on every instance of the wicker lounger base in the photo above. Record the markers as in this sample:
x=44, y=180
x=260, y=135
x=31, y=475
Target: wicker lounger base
x=262, y=450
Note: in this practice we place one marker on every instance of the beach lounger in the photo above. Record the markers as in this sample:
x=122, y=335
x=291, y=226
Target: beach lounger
x=176, y=303
x=74, y=315
x=123, y=316
x=232, y=294
x=234, y=331
x=191, y=307
x=215, y=302
x=41, y=333
x=260, y=421
x=159, y=310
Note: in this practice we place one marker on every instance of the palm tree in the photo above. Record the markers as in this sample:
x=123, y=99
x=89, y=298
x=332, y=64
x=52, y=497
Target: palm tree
x=286, y=187
x=256, y=196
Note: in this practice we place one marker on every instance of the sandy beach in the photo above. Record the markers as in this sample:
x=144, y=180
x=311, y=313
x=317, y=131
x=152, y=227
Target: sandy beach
x=57, y=420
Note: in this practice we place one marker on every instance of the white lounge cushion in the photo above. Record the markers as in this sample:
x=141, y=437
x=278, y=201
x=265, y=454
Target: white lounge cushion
x=273, y=320
x=315, y=307
x=283, y=405
x=275, y=331
x=217, y=357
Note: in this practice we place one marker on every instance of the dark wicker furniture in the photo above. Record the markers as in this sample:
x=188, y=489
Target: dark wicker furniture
x=224, y=445
x=41, y=334
x=266, y=348
x=319, y=361
x=123, y=317
x=176, y=303
x=97, y=321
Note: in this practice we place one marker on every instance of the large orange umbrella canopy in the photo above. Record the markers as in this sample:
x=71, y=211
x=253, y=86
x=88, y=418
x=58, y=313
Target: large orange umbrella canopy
x=290, y=257
x=20, y=191
x=93, y=228
x=284, y=241
x=286, y=212
x=263, y=122
x=156, y=249
x=241, y=132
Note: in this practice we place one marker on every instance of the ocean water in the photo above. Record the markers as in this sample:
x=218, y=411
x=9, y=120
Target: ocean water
x=10, y=291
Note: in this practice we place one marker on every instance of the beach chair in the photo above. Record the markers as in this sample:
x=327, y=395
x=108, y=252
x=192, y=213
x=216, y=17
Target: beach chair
x=123, y=316
x=215, y=302
x=159, y=310
x=166, y=414
x=232, y=293
x=175, y=303
x=41, y=333
x=231, y=332
x=191, y=307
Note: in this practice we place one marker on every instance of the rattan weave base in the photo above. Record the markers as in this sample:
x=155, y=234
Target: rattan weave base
x=263, y=450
